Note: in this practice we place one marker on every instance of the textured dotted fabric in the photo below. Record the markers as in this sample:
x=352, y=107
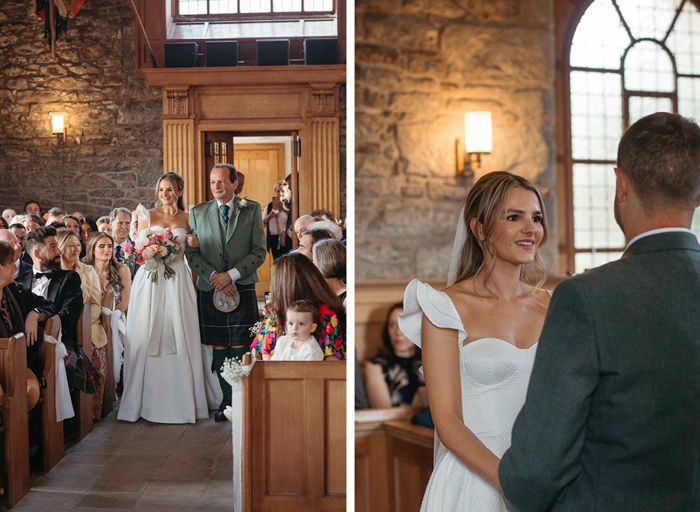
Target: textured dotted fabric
x=494, y=378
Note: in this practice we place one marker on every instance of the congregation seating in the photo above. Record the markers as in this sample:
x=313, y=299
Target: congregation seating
x=393, y=460
x=110, y=397
x=52, y=430
x=15, y=425
x=82, y=402
x=294, y=435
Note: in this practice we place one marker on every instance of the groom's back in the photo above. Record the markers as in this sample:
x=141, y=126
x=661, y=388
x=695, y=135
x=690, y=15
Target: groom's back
x=642, y=443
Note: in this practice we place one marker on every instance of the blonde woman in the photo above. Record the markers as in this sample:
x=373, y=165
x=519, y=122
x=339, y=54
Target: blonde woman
x=478, y=339
x=70, y=247
x=277, y=217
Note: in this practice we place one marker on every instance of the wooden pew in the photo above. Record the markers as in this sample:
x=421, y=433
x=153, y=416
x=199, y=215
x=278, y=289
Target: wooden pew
x=82, y=402
x=15, y=424
x=110, y=397
x=294, y=436
x=393, y=460
x=52, y=430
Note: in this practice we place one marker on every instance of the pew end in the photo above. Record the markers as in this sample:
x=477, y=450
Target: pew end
x=15, y=420
x=52, y=430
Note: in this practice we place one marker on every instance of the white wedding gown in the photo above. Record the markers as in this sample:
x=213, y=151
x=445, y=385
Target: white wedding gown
x=494, y=377
x=163, y=370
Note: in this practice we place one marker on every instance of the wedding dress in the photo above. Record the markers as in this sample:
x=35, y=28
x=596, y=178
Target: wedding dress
x=494, y=377
x=163, y=370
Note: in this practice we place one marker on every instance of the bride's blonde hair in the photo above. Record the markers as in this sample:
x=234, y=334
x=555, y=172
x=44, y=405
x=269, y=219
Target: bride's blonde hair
x=178, y=185
x=486, y=202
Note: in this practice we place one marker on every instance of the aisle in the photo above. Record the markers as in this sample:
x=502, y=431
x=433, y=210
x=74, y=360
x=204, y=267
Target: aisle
x=140, y=466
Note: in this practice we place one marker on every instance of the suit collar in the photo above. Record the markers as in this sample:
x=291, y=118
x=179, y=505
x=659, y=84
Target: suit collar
x=667, y=241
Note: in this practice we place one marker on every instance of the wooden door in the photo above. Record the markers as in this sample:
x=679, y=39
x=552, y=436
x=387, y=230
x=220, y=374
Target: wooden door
x=263, y=166
x=218, y=149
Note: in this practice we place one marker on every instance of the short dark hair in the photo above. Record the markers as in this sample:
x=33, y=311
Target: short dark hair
x=31, y=202
x=63, y=219
x=57, y=224
x=18, y=226
x=56, y=212
x=304, y=306
x=322, y=211
x=317, y=235
x=33, y=217
x=233, y=173
x=660, y=154
x=36, y=239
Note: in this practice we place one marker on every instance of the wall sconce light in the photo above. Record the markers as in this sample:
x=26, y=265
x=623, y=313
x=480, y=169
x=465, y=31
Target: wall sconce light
x=478, y=140
x=58, y=128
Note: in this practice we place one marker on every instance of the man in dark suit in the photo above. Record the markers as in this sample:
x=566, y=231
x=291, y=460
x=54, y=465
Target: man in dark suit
x=612, y=416
x=63, y=289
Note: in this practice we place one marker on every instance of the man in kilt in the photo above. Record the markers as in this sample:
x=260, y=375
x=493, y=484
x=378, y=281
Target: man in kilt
x=232, y=246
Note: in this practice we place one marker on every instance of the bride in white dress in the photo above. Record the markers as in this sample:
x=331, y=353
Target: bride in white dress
x=163, y=370
x=478, y=339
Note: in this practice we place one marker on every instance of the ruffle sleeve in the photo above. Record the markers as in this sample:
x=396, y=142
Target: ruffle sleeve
x=143, y=213
x=422, y=299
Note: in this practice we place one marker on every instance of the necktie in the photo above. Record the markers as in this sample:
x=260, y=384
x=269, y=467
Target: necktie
x=118, y=252
x=224, y=211
x=48, y=274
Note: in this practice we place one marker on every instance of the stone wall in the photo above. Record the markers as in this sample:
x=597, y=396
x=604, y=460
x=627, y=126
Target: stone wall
x=113, y=152
x=420, y=65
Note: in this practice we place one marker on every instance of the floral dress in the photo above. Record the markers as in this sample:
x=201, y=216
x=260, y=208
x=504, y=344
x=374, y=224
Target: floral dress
x=330, y=334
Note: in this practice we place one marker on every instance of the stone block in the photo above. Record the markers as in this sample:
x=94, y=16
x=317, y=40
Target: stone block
x=433, y=259
x=69, y=84
x=440, y=8
x=376, y=54
x=53, y=70
x=401, y=30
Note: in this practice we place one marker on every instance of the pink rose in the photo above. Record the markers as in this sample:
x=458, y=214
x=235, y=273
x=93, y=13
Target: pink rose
x=163, y=251
x=127, y=247
x=168, y=234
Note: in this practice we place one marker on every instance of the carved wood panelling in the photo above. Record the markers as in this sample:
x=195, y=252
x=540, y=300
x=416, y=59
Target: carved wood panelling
x=178, y=154
x=250, y=104
x=319, y=169
x=324, y=101
x=177, y=103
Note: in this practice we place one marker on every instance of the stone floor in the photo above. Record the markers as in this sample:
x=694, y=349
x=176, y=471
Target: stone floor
x=140, y=466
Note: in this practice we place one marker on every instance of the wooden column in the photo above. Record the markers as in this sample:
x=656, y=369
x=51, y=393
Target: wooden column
x=179, y=143
x=319, y=168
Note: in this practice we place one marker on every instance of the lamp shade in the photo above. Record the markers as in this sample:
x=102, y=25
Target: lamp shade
x=477, y=132
x=57, y=123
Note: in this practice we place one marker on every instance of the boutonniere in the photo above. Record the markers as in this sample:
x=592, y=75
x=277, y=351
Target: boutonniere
x=240, y=203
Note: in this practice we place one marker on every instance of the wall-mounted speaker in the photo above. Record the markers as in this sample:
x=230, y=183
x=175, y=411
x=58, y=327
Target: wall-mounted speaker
x=222, y=53
x=320, y=51
x=273, y=52
x=181, y=55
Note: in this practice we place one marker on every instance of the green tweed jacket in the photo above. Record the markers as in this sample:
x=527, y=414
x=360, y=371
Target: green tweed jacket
x=612, y=416
x=242, y=239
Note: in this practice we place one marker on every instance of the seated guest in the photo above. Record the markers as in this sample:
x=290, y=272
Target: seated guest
x=71, y=223
x=120, y=219
x=299, y=343
x=87, y=228
x=20, y=232
x=393, y=376
x=9, y=236
x=90, y=285
x=63, y=288
x=3, y=223
x=323, y=214
x=103, y=225
x=55, y=214
x=21, y=311
x=78, y=215
x=241, y=182
x=113, y=275
x=329, y=257
x=295, y=278
x=8, y=214
x=278, y=220
x=32, y=221
x=302, y=224
x=32, y=208
x=309, y=239
x=334, y=229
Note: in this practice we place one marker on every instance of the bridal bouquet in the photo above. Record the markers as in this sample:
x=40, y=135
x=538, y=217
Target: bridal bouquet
x=150, y=249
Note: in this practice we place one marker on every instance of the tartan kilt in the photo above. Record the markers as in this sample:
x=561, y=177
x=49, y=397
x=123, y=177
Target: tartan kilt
x=232, y=329
x=80, y=371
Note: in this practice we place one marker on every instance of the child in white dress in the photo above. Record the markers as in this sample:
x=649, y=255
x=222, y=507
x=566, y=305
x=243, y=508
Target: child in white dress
x=299, y=343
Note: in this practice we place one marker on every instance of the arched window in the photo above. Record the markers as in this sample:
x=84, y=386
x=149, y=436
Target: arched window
x=628, y=59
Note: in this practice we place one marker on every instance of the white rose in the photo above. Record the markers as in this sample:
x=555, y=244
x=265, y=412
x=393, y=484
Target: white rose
x=142, y=240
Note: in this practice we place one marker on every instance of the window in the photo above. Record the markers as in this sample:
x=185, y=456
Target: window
x=628, y=59
x=252, y=7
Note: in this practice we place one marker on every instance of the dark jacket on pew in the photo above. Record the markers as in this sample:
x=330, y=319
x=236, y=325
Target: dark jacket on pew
x=65, y=293
x=22, y=301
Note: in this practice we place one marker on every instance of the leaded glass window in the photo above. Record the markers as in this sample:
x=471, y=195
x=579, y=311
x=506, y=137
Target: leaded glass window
x=216, y=7
x=628, y=59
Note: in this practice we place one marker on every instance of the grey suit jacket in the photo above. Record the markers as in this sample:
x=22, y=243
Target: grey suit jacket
x=243, y=240
x=612, y=416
